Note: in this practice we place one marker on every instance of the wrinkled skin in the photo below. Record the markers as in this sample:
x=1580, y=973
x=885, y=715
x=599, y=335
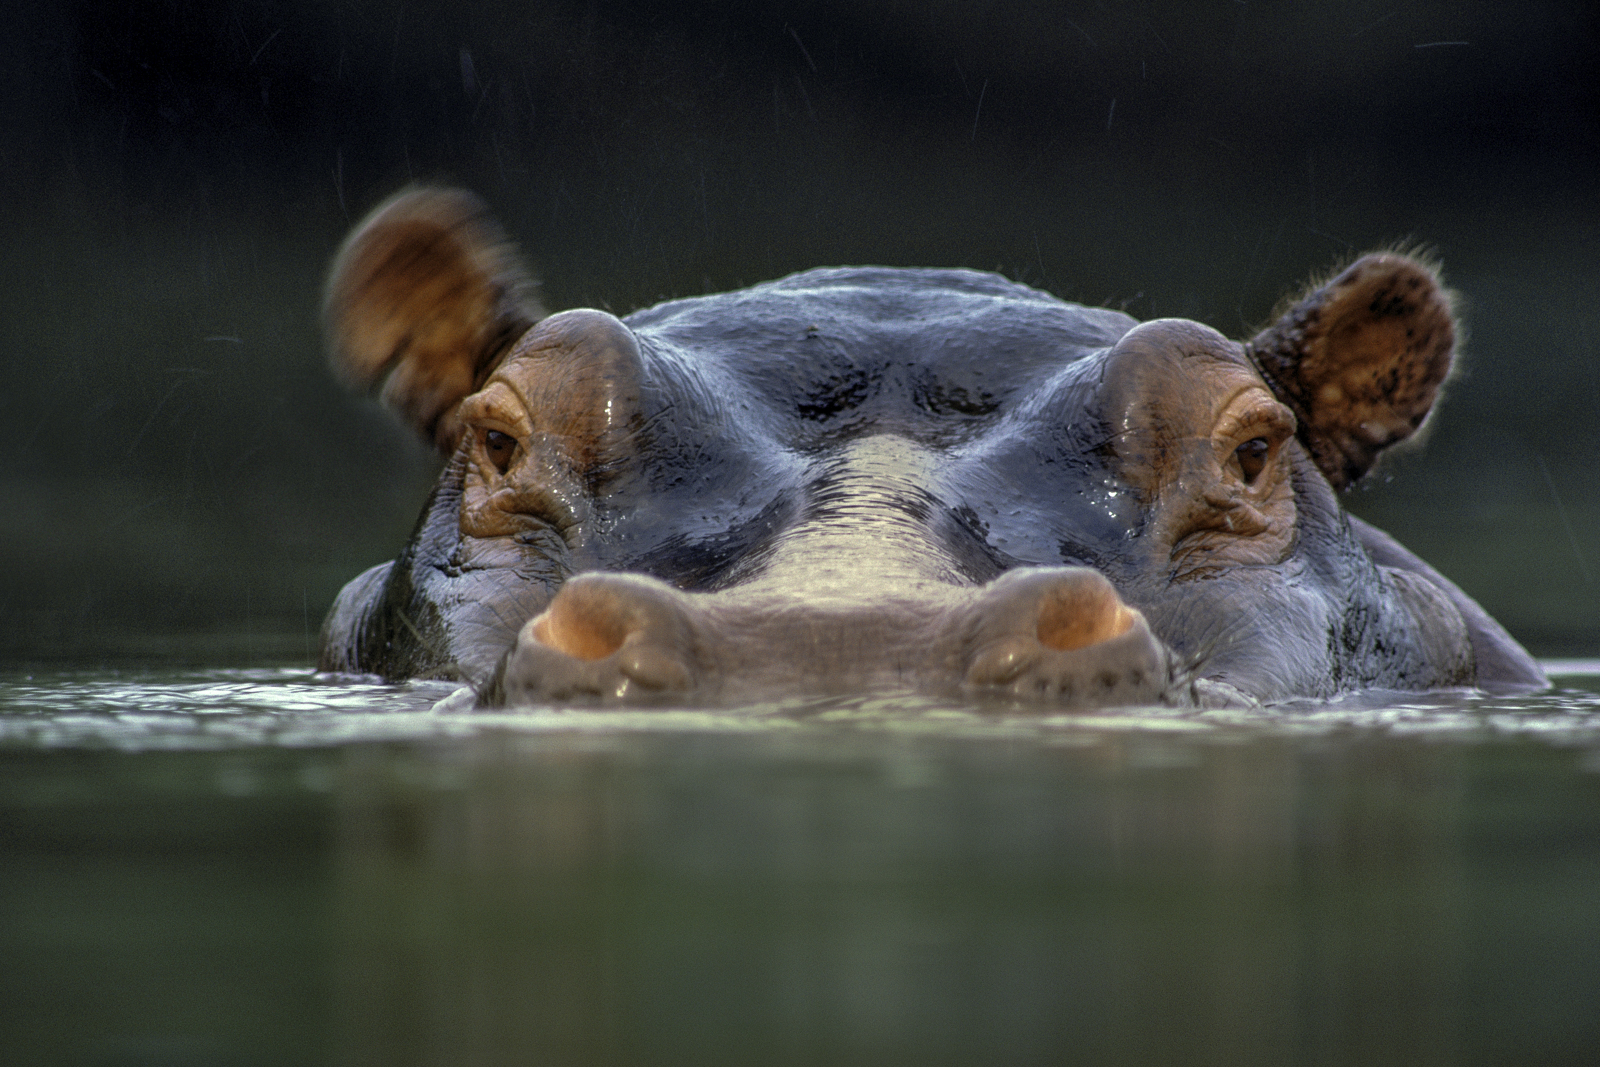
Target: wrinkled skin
x=862, y=478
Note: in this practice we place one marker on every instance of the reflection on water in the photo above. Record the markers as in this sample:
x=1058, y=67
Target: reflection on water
x=268, y=867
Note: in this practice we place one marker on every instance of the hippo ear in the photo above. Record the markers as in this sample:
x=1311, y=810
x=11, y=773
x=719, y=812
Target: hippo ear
x=423, y=301
x=1360, y=360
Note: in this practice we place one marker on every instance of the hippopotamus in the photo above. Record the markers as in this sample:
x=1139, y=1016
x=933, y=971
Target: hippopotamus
x=864, y=479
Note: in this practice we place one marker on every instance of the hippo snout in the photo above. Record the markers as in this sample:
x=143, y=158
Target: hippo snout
x=1054, y=637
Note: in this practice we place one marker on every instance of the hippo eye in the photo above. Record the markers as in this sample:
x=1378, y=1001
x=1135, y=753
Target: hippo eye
x=1252, y=458
x=499, y=448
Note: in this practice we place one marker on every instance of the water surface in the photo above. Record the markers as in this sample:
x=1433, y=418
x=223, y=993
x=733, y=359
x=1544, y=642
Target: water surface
x=267, y=866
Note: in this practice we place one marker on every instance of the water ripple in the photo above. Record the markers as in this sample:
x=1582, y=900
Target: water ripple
x=223, y=709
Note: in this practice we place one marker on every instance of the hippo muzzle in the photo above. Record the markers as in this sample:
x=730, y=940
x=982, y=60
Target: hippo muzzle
x=1052, y=635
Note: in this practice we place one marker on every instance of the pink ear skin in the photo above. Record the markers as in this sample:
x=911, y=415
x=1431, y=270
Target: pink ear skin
x=422, y=303
x=1360, y=359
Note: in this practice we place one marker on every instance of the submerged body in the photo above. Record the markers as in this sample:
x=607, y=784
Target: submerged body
x=878, y=478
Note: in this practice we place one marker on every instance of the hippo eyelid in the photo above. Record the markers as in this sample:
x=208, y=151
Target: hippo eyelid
x=1252, y=415
x=1263, y=417
x=497, y=407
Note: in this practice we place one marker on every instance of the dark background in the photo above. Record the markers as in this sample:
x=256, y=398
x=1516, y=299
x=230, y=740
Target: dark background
x=180, y=479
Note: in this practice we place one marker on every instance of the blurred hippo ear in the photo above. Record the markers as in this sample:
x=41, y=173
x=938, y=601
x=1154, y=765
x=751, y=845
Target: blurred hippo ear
x=423, y=301
x=1360, y=359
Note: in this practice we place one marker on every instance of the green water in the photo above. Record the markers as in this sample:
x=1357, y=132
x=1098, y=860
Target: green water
x=262, y=867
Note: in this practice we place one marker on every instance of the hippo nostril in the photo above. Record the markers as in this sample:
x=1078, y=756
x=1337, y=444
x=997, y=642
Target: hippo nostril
x=654, y=669
x=1062, y=636
x=1002, y=662
x=617, y=637
x=1081, y=613
x=585, y=620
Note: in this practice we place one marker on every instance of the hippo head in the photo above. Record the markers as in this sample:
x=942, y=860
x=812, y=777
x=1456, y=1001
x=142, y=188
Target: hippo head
x=936, y=480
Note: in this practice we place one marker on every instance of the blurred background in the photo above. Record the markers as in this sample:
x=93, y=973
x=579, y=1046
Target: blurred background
x=181, y=479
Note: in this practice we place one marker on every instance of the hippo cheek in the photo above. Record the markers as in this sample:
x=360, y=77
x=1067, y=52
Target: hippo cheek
x=620, y=637
x=1061, y=636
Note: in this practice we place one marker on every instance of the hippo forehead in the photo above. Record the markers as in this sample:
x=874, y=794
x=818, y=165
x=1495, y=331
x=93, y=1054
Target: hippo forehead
x=897, y=350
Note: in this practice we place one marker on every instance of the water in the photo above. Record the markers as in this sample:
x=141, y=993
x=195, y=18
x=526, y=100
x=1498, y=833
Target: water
x=265, y=867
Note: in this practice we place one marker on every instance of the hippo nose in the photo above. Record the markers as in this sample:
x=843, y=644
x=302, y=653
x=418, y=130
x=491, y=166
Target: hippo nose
x=607, y=635
x=1062, y=635
x=1059, y=636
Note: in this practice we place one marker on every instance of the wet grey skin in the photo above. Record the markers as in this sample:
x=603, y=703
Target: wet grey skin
x=873, y=479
